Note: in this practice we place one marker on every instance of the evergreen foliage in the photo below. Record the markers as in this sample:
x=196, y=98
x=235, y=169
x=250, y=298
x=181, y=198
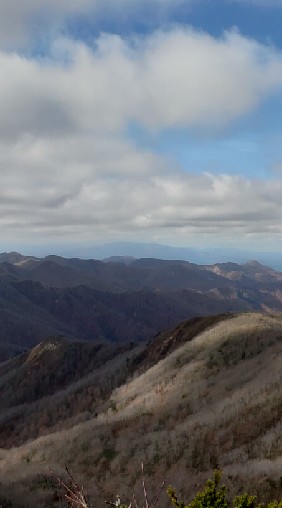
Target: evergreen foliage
x=214, y=495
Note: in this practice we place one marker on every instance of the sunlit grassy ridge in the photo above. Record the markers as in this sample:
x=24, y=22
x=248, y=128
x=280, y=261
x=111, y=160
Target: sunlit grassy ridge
x=215, y=400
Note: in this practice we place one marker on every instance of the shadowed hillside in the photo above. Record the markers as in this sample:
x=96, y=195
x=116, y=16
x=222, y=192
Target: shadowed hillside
x=204, y=394
x=115, y=301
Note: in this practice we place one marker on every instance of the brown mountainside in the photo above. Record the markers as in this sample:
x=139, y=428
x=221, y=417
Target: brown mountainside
x=207, y=393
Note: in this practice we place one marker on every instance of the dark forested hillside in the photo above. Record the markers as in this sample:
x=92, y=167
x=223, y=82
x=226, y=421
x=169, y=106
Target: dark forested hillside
x=115, y=301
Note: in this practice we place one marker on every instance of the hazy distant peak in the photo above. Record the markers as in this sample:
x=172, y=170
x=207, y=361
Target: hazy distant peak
x=253, y=262
x=15, y=258
x=120, y=259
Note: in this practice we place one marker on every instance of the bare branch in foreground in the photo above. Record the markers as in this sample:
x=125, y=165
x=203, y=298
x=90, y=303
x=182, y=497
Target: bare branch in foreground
x=73, y=493
x=75, y=496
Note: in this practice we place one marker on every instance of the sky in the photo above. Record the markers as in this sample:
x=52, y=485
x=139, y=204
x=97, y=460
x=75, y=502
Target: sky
x=141, y=120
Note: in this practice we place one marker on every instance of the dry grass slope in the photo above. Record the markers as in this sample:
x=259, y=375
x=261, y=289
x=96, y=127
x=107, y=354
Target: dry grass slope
x=214, y=400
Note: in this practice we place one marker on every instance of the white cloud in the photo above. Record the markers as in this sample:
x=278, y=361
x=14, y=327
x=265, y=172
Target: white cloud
x=67, y=167
x=170, y=79
x=76, y=193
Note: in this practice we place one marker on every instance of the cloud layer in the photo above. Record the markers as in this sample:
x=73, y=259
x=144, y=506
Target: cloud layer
x=68, y=168
x=170, y=79
x=109, y=189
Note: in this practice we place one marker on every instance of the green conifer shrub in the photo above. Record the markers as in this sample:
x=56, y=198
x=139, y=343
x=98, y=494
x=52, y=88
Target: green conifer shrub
x=214, y=495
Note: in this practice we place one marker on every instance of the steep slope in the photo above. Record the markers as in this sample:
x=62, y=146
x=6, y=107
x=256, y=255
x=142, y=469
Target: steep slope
x=56, y=271
x=29, y=311
x=250, y=272
x=57, y=363
x=166, y=342
x=51, y=365
x=173, y=275
x=56, y=382
x=15, y=258
x=112, y=301
x=213, y=397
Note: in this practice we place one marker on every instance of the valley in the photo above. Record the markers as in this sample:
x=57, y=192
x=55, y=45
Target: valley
x=126, y=300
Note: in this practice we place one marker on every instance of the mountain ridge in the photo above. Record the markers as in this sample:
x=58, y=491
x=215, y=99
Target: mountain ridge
x=113, y=301
x=208, y=392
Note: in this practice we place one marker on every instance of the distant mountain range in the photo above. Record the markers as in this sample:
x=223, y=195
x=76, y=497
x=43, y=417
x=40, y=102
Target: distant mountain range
x=121, y=299
x=206, y=256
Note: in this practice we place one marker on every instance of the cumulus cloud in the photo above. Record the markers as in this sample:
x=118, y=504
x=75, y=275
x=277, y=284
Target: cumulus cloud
x=68, y=167
x=82, y=196
x=169, y=79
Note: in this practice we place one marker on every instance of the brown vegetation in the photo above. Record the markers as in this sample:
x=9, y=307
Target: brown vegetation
x=214, y=399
